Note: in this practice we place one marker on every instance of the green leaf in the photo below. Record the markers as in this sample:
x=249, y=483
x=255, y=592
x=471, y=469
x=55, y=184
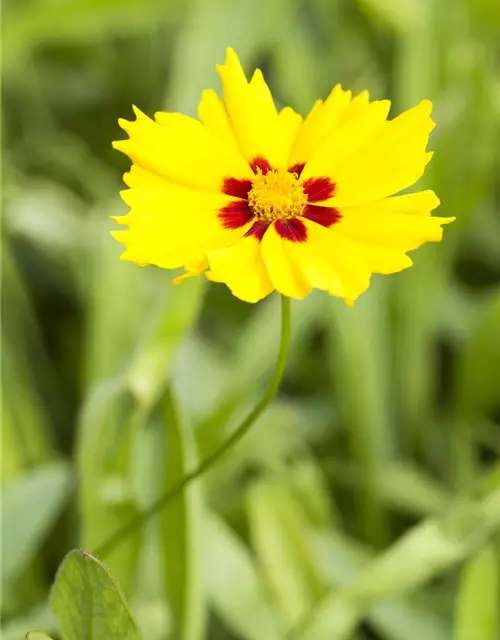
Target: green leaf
x=37, y=635
x=88, y=602
x=477, y=612
x=31, y=505
x=310, y=489
x=358, y=357
x=395, y=618
x=424, y=552
x=479, y=383
x=182, y=529
x=114, y=325
x=236, y=587
x=403, y=486
x=400, y=15
x=25, y=424
x=151, y=364
x=280, y=536
x=107, y=429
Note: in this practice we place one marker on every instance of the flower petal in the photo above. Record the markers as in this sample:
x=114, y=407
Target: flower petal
x=419, y=203
x=289, y=123
x=345, y=142
x=325, y=260
x=382, y=224
x=181, y=150
x=172, y=226
x=192, y=270
x=242, y=269
x=259, y=131
x=390, y=161
x=321, y=122
x=385, y=259
x=213, y=114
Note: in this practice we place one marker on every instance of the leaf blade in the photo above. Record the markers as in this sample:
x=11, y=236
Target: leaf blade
x=88, y=603
x=30, y=507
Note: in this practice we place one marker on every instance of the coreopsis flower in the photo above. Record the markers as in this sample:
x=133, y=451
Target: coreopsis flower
x=262, y=200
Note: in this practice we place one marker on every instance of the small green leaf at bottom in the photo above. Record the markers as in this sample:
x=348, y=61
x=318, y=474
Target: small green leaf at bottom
x=88, y=603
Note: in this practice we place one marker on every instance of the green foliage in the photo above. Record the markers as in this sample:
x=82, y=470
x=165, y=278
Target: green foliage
x=183, y=529
x=364, y=502
x=30, y=508
x=88, y=603
x=477, y=613
x=239, y=593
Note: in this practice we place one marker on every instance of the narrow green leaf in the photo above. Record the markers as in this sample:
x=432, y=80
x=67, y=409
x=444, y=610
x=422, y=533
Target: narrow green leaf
x=88, y=602
x=182, y=529
x=151, y=364
x=30, y=508
x=107, y=432
x=26, y=432
x=479, y=383
x=310, y=489
x=400, y=15
x=403, y=486
x=115, y=324
x=423, y=553
x=358, y=357
x=37, y=635
x=396, y=618
x=236, y=587
x=478, y=613
x=279, y=534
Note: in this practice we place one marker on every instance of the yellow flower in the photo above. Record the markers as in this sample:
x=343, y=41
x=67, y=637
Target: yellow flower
x=262, y=200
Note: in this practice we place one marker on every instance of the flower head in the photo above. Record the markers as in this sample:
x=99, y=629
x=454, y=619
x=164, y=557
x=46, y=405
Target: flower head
x=262, y=200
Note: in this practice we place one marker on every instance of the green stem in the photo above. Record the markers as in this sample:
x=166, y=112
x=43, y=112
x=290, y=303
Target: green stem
x=117, y=538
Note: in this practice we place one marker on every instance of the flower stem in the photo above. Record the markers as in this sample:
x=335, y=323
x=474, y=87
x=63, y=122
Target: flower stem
x=119, y=536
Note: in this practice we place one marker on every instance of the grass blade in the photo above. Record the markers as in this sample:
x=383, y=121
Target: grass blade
x=107, y=431
x=30, y=508
x=182, y=529
x=279, y=534
x=477, y=613
x=426, y=551
x=236, y=587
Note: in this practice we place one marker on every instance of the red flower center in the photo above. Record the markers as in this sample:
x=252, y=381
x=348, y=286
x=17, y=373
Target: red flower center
x=277, y=197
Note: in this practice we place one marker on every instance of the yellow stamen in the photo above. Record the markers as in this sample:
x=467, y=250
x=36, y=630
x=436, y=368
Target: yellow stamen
x=276, y=195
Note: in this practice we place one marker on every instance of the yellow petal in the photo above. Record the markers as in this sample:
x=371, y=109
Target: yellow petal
x=347, y=140
x=390, y=161
x=242, y=269
x=289, y=124
x=172, y=226
x=388, y=229
x=321, y=122
x=419, y=203
x=192, y=270
x=356, y=107
x=139, y=177
x=252, y=113
x=181, y=150
x=385, y=259
x=213, y=114
x=324, y=261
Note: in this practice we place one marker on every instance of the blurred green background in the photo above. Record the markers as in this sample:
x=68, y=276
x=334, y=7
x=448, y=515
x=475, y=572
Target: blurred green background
x=387, y=425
